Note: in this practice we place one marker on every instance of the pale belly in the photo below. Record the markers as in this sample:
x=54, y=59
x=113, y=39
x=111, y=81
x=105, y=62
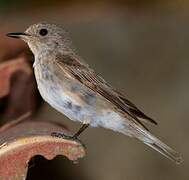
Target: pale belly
x=78, y=102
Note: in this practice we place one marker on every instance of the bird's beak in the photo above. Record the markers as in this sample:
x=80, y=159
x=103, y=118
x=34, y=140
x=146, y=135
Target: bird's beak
x=18, y=35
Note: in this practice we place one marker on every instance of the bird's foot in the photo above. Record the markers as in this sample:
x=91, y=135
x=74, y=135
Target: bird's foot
x=64, y=136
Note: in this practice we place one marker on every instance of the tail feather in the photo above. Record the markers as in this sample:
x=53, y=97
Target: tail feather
x=150, y=140
x=164, y=149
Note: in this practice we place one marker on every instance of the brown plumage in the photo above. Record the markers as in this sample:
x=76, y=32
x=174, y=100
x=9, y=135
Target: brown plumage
x=89, y=78
x=74, y=89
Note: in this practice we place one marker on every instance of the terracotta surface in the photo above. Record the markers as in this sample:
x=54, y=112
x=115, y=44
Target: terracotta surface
x=22, y=142
x=7, y=69
x=18, y=92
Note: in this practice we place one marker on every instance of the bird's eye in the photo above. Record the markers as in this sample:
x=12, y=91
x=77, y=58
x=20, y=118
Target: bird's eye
x=43, y=32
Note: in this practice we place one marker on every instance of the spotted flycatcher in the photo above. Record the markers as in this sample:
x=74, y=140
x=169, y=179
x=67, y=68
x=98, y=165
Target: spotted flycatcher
x=70, y=86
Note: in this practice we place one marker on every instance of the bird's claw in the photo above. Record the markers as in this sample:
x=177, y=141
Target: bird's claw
x=61, y=135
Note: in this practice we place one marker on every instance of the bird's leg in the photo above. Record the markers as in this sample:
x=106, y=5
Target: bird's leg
x=82, y=128
x=74, y=137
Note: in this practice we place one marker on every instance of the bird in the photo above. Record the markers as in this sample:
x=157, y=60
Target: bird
x=70, y=86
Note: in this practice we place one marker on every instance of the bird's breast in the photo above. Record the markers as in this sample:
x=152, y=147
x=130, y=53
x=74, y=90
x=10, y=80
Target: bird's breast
x=75, y=100
x=64, y=93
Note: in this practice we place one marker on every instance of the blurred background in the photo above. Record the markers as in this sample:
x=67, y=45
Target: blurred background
x=140, y=47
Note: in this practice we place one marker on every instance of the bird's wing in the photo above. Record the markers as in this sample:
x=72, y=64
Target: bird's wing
x=87, y=76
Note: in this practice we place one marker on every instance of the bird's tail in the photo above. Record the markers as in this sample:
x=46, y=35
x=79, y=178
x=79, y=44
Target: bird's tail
x=161, y=147
x=158, y=145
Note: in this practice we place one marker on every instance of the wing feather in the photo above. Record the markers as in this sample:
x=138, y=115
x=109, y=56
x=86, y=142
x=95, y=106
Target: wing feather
x=89, y=78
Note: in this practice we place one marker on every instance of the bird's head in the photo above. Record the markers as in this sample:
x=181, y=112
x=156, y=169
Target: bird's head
x=43, y=37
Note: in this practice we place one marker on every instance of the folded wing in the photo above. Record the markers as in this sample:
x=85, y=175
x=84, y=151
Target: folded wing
x=89, y=78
